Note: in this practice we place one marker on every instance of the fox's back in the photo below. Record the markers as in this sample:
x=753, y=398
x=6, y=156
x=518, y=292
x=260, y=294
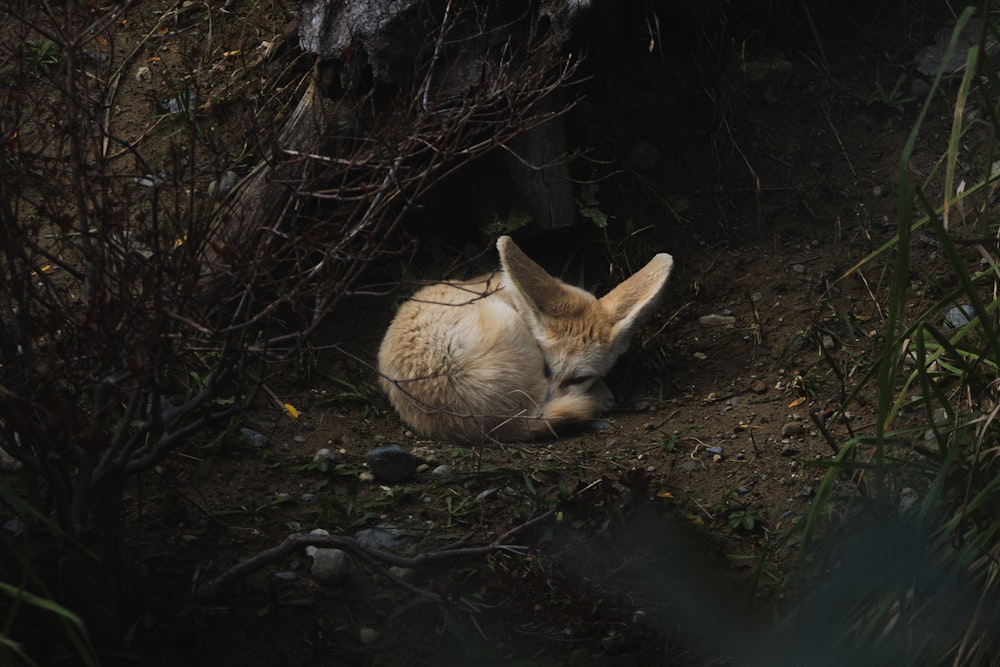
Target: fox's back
x=458, y=358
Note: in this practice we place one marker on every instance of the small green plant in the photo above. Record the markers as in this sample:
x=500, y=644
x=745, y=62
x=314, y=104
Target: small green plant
x=456, y=508
x=363, y=393
x=516, y=219
x=721, y=505
x=590, y=207
x=744, y=519
x=41, y=55
x=740, y=518
x=892, y=98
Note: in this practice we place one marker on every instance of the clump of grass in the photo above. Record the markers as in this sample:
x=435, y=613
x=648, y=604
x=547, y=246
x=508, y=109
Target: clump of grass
x=915, y=577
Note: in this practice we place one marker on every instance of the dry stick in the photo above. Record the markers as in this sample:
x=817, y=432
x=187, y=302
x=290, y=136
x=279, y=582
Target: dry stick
x=374, y=557
x=837, y=137
x=818, y=421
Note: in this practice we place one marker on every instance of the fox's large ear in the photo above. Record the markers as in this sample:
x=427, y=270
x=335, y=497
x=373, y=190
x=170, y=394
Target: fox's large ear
x=536, y=287
x=635, y=298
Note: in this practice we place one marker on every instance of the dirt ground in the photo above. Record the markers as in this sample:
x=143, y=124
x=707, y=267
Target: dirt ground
x=689, y=532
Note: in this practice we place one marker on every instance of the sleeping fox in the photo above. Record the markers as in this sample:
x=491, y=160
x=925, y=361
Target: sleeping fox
x=513, y=355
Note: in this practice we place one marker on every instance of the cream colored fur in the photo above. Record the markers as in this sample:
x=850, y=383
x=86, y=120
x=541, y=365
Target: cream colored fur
x=514, y=355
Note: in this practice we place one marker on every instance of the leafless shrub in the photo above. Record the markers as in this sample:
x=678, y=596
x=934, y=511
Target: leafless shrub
x=135, y=312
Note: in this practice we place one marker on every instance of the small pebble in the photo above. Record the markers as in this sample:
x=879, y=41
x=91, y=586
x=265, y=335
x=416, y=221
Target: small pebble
x=740, y=456
x=368, y=635
x=330, y=566
x=791, y=429
x=253, y=437
x=366, y=477
x=717, y=320
x=959, y=316
x=789, y=450
x=286, y=575
x=308, y=426
x=299, y=439
x=757, y=297
x=14, y=526
x=798, y=268
x=877, y=191
x=828, y=342
x=717, y=451
x=392, y=464
x=442, y=472
x=919, y=89
x=758, y=387
x=907, y=498
x=689, y=466
x=383, y=536
x=324, y=454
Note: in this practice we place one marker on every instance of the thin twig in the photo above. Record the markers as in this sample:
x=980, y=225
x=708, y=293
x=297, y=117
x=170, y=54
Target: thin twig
x=840, y=143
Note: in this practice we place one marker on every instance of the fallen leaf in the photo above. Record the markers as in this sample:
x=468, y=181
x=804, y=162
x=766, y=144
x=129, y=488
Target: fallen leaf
x=797, y=402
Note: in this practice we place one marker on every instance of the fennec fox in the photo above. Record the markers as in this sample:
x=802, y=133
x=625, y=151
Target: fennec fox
x=513, y=355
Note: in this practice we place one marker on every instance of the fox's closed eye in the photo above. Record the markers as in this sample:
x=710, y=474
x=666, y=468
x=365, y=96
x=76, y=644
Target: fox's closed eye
x=577, y=380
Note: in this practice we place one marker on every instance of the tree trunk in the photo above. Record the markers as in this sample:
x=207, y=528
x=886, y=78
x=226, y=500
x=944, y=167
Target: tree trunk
x=538, y=166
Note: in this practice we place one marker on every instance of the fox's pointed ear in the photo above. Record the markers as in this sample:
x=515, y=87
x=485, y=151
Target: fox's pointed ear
x=534, y=284
x=635, y=298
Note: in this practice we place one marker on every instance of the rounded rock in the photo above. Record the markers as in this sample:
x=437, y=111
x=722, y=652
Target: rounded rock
x=324, y=454
x=791, y=429
x=919, y=89
x=442, y=472
x=331, y=566
x=381, y=537
x=253, y=437
x=392, y=464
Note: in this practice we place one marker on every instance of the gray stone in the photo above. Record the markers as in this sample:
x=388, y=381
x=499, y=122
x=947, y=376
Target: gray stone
x=253, y=437
x=383, y=536
x=792, y=429
x=330, y=566
x=442, y=472
x=959, y=316
x=324, y=454
x=392, y=464
x=717, y=320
